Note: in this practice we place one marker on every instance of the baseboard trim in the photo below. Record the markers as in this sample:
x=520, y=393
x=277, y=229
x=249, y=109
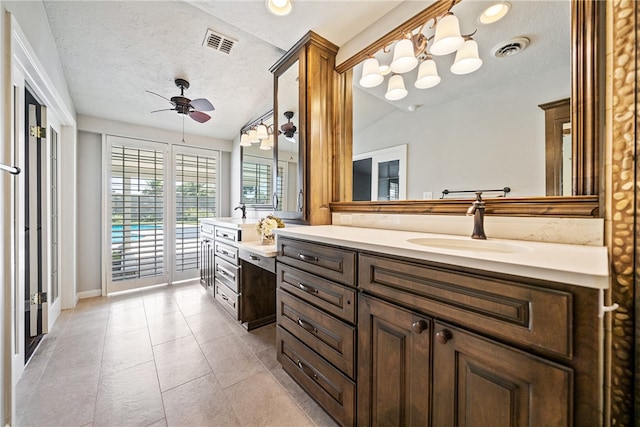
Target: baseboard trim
x=89, y=294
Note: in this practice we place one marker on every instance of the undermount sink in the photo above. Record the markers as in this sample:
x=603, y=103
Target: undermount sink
x=469, y=245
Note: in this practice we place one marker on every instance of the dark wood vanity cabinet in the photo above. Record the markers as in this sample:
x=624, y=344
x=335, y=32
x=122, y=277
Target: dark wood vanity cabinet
x=316, y=332
x=394, y=365
x=480, y=382
x=435, y=345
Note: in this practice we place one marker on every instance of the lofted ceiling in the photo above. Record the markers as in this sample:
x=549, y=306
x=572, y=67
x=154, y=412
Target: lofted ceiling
x=112, y=52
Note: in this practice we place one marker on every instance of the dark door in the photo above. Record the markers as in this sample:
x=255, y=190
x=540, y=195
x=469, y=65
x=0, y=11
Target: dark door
x=478, y=382
x=393, y=365
x=35, y=214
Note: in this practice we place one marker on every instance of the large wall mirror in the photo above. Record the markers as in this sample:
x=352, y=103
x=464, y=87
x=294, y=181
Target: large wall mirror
x=487, y=129
x=256, y=164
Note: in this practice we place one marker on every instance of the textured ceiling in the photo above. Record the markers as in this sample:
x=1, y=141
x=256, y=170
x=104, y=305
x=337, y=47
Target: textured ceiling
x=112, y=51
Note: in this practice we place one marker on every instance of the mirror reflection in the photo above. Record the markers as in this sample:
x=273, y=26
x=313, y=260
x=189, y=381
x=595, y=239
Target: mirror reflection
x=288, y=191
x=481, y=130
x=257, y=164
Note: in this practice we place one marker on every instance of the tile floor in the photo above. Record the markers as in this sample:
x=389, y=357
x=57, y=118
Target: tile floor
x=168, y=356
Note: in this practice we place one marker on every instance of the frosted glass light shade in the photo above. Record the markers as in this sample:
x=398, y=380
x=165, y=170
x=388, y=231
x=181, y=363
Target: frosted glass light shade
x=427, y=75
x=403, y=58
x=447, y=38
x=385, y=69
x=262, y=131
x=467, y=59
x=270, y=140
x=396, y=89
x=244, y=140
x=279, y=7
x=371, y=76
x=264, y=145
x=253, y=136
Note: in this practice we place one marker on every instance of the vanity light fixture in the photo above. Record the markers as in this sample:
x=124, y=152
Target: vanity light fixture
x=262, y=131
x=264, y=144
x=244, y=140
x=414, y=48
x=279, y=7
x=253, y=136
x=494, y=13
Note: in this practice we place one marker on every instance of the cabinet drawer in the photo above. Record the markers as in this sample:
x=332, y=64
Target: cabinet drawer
x=326, y=261
x=228, y=299
x=329, y=296
x=525, y=314
x=329, y=387
x=228, y=274
x=227, y=252
x=206, y=230
x=264, y=262
x=227, y=234
x=329, y=337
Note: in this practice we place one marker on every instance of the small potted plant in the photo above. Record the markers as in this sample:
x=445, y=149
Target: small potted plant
x=266, y=226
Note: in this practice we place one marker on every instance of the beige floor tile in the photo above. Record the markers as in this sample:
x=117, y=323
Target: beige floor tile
x=232, y=370
x=130, y=397
x=261, y=401
x=126, y=350
x=268, y=359
x=179, y=361
x=159, y=423
x=260, y=339
x=167, y=327
x=208, y=326
x=292, y=388
x=200, y=402
x=63, y=399
x=159, y=306
x=318, y=415
x=223, y=348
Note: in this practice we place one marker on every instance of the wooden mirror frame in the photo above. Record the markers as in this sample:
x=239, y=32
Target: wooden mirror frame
x=587, y=117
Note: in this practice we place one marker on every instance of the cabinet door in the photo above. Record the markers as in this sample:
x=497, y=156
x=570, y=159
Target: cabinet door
x=393, y=365
x=478, y=382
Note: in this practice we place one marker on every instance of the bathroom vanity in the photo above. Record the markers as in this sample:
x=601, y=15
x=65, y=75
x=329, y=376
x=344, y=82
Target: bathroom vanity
x=402, y=328
x=238, y=270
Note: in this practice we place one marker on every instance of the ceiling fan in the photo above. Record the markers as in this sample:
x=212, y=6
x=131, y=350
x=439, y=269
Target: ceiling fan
x=288, y=129
x=183, y=105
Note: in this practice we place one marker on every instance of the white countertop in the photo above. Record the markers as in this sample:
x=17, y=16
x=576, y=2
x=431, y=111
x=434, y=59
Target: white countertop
x=586, y=266
x=232, y=222
x=256, y=247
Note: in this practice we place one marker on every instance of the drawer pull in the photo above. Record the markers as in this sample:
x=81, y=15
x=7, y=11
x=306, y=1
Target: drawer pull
x=307, y=257
x=224, y=297
x=223, y=252
x=254, y=258
x=224, y=272
x=307, y=370
x=419, y=326
x=306, y=326
x=444, y=336
x=308, y=289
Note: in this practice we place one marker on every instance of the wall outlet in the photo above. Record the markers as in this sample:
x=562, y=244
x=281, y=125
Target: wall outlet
x=345, y=219
x=427, y=195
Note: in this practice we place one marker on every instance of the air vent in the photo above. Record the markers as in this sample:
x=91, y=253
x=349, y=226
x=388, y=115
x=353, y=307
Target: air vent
x=510, y=47
x=218, y=42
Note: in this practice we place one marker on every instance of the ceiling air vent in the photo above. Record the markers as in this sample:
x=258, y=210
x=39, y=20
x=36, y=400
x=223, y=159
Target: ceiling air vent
x=218, y=42
x=510, y=47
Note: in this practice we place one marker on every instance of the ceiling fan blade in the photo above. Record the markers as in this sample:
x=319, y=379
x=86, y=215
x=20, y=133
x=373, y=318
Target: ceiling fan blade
x=157, y=94
x=202, y=104
x=164, y=109
x=199, y=116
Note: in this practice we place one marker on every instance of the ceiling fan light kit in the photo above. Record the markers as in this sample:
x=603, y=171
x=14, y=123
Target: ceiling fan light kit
x=185, y=106
x=414, y=48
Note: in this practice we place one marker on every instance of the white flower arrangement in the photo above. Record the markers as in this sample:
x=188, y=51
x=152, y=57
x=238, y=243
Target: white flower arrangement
x=266, y=225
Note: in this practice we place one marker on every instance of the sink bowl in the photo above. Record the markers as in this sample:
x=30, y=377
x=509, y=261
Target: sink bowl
x=470, y=245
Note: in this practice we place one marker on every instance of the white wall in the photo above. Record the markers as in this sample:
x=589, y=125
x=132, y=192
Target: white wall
x=472, y=142
x=89, y=211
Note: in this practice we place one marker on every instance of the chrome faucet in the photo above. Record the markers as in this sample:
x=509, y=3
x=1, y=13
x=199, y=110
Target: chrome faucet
x=243, y=207
x=477, y=210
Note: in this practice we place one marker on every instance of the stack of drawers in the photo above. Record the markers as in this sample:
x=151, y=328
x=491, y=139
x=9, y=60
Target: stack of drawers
x=316, y=315
x=227, y=269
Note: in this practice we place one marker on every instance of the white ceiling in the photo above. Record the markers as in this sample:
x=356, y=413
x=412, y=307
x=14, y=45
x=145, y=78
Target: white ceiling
x=113, y=51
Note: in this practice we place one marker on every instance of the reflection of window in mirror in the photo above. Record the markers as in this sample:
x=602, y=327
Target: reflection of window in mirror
x=380, y=174
x=558, y=147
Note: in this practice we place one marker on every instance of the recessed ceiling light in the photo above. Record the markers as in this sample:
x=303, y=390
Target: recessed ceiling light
x=494, y=13
x=279, y=7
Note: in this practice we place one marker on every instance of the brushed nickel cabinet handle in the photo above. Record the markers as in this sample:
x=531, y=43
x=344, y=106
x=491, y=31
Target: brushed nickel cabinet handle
x=307, y=370
x=444, y=336
x=255, y=258
x=307, y=257
x=306, y=325
x=419, y=326
x=308, y=289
